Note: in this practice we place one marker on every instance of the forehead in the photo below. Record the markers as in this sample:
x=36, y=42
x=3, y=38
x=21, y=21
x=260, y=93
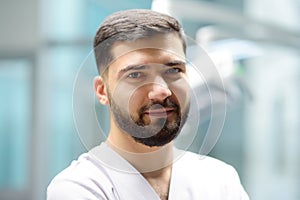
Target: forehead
x=152, y=49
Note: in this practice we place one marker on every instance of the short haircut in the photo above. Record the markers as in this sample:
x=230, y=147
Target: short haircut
x=131, y=25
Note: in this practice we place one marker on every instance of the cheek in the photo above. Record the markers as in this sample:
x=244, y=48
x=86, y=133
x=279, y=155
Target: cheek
x=137, y=100
x=120, y=94
x=129, y=97
x=181, y=90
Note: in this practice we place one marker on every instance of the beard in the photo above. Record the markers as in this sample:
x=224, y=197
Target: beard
x=158, y=132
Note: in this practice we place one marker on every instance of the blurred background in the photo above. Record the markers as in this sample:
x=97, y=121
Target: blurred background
x=255, y=45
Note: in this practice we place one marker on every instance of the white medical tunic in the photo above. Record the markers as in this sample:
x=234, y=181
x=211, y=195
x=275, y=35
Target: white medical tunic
x=102, y=174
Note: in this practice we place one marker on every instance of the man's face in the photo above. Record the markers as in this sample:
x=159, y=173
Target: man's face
x=148, y=89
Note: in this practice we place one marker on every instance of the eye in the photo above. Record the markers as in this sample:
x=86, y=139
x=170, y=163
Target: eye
x=135, y=75
x=173, y=70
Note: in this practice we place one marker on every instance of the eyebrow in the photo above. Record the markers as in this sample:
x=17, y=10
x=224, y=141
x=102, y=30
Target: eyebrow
x=133, y=67
x=142, y=67
x=175, y=63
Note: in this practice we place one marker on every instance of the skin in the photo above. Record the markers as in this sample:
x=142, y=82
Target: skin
x=155, y=83
x=146, y=71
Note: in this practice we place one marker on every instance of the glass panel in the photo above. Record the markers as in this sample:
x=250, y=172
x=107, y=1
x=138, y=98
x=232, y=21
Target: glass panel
x=60, y=69
x=15, y=117
x=272, y=124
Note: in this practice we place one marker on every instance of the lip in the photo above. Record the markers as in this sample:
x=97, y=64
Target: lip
x=159, y=113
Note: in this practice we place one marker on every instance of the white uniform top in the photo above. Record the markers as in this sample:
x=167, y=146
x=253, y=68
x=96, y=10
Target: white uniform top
x=108, y=176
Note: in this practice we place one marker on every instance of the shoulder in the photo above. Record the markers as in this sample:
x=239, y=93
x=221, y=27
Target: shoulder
x=204, y=166
x=83, y=178
x=214, y=176
x=205, y=163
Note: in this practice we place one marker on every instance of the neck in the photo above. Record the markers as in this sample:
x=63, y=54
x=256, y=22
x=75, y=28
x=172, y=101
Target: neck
x=145, y=159
x=154, y=163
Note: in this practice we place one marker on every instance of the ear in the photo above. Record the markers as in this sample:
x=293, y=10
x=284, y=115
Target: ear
x=100, y=90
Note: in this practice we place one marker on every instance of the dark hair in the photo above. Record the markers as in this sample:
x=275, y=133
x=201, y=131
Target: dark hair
x=130, y=25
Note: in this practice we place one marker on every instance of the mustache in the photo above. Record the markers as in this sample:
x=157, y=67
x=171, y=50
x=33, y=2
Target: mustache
x=167, y=103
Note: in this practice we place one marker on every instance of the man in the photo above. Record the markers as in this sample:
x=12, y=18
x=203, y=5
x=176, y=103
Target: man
x=140, y=57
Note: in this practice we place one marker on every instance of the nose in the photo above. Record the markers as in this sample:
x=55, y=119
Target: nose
x=159, y=90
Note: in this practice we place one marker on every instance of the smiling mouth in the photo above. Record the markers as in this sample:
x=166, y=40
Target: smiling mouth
x=159, y=113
